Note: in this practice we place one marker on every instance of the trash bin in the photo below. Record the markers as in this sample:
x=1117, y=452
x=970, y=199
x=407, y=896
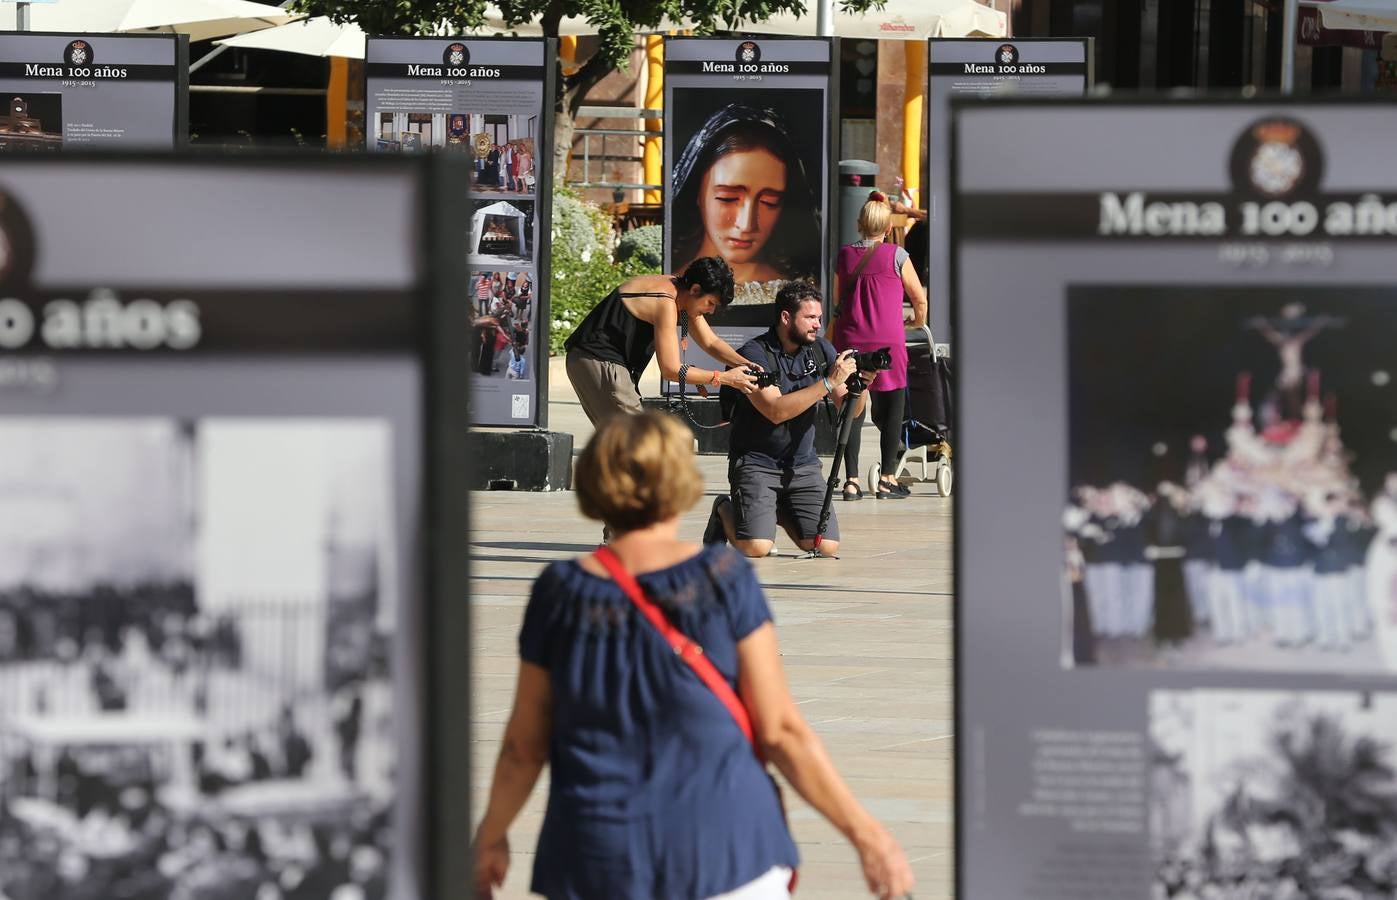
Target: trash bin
x=856, y=178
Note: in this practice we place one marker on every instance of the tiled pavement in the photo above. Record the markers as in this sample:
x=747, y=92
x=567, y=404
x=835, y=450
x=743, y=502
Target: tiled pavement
x=866, y=642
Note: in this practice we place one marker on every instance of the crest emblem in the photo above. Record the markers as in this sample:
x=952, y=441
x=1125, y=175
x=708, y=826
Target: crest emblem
x=1275, y=158
x=78, y=53
x=1007, y=55
x=1276, y=164
x=456, y=55
x=749, y=52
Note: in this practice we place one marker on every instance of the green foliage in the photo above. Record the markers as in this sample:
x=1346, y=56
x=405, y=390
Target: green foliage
x=406, y=17
x=645, y=244
x=583, y=269
x=579, y=228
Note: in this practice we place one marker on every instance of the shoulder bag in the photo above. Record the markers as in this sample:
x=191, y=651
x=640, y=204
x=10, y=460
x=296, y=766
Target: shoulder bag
x=692, y=655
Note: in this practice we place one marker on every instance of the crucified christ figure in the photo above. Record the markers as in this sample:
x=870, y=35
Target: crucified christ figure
x=1289, y=334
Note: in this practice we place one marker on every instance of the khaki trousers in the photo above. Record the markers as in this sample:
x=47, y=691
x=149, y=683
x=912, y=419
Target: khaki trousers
x=603, y=388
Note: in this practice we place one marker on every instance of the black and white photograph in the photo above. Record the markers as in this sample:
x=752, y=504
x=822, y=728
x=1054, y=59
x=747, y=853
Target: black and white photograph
x=1232, y=484
x=503, y=307
x=501, y=233
x=502, y=147
x=411, y=131
x=32, y=121
x=195, y=674
x=1270, y=795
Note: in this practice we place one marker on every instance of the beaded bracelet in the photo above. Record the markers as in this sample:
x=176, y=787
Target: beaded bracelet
x=714, y=379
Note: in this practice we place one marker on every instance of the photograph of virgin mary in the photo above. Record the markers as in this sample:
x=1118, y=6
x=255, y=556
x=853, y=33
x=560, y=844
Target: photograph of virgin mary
x=747, y=186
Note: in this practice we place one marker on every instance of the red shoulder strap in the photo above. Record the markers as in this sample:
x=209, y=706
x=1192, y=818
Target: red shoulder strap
x=684, y=648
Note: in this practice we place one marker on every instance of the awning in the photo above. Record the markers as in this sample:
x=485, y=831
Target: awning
x=200, y=19
x=312, y=37
x=1312, y=33
x=1362, y=15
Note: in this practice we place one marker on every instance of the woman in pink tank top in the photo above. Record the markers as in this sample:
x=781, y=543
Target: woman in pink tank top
x=871, y=277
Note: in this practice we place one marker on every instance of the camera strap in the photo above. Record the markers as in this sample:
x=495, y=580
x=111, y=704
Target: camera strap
x=682, y=403
x=821, y=369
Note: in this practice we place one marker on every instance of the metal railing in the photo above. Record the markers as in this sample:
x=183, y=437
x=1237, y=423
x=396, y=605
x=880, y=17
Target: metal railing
x=629, y=138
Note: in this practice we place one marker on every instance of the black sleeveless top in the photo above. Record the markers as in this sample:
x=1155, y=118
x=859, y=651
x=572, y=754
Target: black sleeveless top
x=611, y=334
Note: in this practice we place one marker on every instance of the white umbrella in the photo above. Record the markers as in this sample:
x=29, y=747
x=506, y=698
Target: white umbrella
x=908, y=20
x=313, y=37
x=1363, y=15
x=200, y=19
x=321, y=37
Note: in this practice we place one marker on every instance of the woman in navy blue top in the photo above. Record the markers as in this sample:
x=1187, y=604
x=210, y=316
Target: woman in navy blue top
x=655, y=793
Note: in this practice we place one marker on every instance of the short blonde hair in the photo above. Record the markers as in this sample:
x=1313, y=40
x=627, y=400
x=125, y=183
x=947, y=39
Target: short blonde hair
x=874, y=218
x=638, y=470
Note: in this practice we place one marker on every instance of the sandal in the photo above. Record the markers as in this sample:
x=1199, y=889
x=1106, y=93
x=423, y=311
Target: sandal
x=852, y=491
x=891, y=491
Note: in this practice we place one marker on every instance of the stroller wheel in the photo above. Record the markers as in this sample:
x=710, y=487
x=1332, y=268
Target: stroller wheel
x=945, y=479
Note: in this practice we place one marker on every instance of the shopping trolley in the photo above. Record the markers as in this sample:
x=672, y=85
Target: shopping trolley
x=926, y=425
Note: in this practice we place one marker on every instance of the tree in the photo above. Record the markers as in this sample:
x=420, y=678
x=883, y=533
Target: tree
x=616, y=22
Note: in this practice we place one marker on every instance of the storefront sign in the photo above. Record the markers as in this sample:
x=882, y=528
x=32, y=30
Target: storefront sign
x=1313, y=33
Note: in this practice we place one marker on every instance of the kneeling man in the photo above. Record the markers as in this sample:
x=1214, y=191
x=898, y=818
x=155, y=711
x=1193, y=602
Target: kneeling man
x=773, y=472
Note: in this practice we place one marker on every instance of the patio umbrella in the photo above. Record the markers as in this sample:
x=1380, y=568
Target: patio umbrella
x=1361, y=15
x=321, y=37
x=200, y=19
x=313, y=37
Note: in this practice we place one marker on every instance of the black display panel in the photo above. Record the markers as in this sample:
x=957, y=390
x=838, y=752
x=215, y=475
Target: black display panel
x=748, y=149
x=983, y=67
x=1177, y=418
x=232, y=591
x=490, y=101
x=93, y=91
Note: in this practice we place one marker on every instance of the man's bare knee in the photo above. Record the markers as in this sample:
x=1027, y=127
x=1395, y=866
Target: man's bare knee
x=755, y=548
x=827, y=546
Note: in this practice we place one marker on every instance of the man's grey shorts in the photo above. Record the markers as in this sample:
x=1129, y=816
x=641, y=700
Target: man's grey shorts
x=763, y=494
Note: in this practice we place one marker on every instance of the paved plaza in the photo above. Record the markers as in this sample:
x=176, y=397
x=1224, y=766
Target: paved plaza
x=866, y=641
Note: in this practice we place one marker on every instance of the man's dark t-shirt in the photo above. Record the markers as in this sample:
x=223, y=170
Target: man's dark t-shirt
x=792, y=443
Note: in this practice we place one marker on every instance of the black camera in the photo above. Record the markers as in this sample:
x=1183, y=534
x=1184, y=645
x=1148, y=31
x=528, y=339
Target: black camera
x=874, y=360
x=764, y=379
x=868, y=361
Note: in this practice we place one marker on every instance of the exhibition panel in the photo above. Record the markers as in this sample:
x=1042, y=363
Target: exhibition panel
x=748, y=151
x=490, y=100
x=1176, y=416
x=984, y=67
x=108, y=91
x=231, y=578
